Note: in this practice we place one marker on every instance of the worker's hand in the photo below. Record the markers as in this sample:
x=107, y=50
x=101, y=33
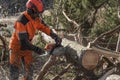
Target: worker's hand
x=57, y=39
x=39, y=51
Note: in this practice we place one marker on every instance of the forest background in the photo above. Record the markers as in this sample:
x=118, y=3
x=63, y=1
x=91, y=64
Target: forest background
x=84, y=19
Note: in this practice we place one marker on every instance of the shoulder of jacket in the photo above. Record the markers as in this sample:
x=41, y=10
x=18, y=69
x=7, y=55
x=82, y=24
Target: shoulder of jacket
x=23, y=19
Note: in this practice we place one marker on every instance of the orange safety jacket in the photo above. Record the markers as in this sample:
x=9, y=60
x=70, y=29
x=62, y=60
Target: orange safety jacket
x=26, y=24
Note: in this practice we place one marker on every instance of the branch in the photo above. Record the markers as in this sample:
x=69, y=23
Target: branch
x=3, y=48
x=106, y=52
x=107, y=33
x=107, y=74
x=118, y=44
x=3, y=25
x=70, y=20
x=96, y=10
x=4, y=73
x=46, y=66
x=96, y=7
x=62, y=72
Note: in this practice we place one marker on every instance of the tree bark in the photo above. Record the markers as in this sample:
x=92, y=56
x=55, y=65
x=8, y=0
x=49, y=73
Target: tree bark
x=72, y=51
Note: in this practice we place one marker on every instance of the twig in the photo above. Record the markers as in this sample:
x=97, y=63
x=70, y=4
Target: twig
x=70, y=20
x=4, y=73
x=106, y=74
x=62, y=72
x=118, y=44
x=3, y=49
x=108, y=33
x=45, y=67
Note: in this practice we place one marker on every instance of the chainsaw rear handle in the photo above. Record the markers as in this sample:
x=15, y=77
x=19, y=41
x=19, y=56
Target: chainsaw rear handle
x=53, y=48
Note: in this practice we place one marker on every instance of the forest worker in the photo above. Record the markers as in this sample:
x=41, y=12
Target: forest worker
x=20, y=43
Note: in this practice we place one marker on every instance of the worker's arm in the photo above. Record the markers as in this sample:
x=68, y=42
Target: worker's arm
x=43, y=27
x=24, y=40
x=26, y=45
x=40, y=25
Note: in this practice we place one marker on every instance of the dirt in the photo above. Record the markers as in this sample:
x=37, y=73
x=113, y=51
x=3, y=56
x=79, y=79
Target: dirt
x=38, y=61
x=8, y=20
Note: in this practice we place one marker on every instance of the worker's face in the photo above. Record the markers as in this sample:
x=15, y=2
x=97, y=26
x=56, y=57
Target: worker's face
x=35, y=15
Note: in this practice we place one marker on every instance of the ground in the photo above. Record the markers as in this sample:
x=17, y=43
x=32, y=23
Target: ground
x=38, y=61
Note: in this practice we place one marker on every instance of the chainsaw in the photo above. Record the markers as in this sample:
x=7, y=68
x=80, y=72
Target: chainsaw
x=53, y=49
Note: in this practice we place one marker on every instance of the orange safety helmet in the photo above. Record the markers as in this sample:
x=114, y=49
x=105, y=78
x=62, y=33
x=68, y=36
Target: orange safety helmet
x=37, y=3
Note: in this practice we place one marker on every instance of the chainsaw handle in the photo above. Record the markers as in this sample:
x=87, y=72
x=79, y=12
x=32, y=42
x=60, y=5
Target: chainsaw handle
x=54, y=46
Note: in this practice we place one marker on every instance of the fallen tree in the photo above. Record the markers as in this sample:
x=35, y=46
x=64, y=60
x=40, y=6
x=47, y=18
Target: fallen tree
x=83, y=58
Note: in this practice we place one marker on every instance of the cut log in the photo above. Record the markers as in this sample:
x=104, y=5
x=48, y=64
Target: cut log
x=78, y=55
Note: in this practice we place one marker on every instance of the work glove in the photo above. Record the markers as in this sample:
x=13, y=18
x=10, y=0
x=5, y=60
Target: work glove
x=57, y=39
x=39, y=50
x=57, y=50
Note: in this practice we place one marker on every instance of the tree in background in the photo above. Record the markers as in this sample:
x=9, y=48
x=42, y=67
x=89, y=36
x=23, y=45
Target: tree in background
x=93, y=16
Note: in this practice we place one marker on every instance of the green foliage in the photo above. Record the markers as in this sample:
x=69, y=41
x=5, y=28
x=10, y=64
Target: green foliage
x=84, y=3
x=93, y=16
x=108, y=20
x=38, y=41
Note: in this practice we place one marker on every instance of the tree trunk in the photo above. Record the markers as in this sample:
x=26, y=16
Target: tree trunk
x=77, y=55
